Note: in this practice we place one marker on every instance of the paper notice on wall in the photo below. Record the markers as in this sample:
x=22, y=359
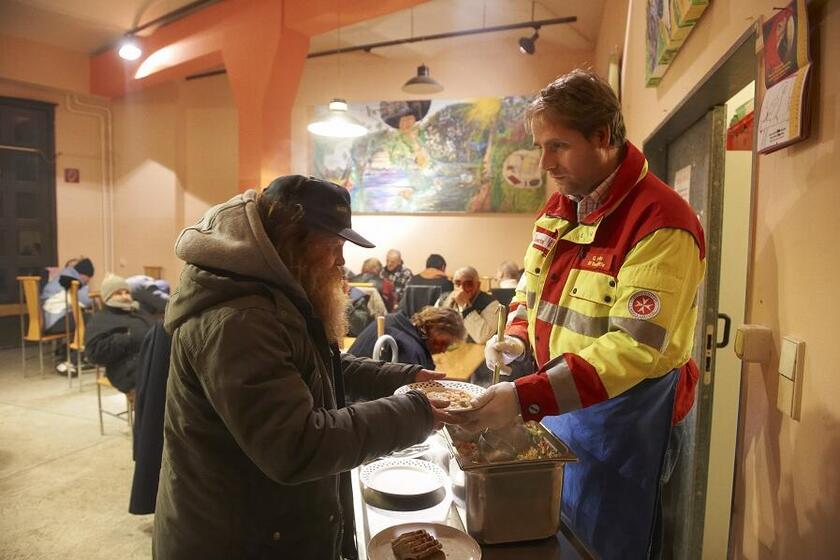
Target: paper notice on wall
x=682, y=183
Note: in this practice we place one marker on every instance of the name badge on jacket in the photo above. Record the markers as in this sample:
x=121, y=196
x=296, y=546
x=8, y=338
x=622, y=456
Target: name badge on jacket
x=543, y=240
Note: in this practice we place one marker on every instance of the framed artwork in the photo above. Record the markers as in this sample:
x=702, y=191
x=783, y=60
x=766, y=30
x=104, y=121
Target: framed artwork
x=440, y=156
x=668, y=24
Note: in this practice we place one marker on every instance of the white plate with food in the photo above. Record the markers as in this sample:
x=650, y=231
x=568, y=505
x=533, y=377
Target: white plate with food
x=454, y=544
x=459, y=394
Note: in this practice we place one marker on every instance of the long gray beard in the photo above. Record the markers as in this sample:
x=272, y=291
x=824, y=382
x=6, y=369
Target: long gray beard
x=329, y=302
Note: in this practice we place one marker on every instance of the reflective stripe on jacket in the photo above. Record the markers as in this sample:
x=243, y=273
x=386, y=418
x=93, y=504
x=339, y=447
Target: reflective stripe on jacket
x=610, y=301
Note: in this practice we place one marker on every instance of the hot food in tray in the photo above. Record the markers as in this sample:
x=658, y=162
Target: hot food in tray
x=517, y=442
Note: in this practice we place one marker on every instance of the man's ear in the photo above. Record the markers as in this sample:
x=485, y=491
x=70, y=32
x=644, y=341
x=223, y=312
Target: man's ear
x=601, y=137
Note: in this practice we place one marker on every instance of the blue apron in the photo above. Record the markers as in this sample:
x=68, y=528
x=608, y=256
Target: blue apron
x=611, y=495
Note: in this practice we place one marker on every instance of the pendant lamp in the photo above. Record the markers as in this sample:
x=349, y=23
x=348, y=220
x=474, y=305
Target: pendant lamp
x=422, y=82
x=338, y=123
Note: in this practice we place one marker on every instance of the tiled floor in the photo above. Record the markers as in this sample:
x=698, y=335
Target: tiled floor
x=64, y=488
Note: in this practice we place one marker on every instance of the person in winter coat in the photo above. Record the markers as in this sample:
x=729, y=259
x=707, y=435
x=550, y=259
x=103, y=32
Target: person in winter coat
x=151, y=294
x=114, y=335
x=258, y=441
x=429, y=331
x=54, y=299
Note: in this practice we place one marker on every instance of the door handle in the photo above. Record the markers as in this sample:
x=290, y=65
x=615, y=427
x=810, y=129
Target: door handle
x=727, y=325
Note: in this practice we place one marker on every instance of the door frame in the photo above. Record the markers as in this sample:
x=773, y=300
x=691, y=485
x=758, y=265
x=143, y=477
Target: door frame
x=732, y=72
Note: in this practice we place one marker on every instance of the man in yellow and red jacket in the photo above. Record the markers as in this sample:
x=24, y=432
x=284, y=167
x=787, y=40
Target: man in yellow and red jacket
x=606, y=307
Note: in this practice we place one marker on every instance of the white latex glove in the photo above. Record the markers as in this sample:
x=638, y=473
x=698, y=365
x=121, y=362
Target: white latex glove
x=502, y=352
x=497, y=407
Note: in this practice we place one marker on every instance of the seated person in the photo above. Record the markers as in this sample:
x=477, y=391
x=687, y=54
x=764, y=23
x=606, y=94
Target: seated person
x=115, y=334
x=430, y=331
x=396, y=272
x=54, y=298
x=433, y=275
x=358, y=314
x=370, y=274
x=508, y=275
x=151, y=294
x=479, y=309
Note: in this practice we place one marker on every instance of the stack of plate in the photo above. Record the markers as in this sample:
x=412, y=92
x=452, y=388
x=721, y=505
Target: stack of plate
x=401, y=490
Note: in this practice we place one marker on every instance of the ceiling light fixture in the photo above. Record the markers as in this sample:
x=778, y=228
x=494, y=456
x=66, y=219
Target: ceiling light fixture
x=528, y=45
x=338, y=123
x=130, y=48
x=422, y=82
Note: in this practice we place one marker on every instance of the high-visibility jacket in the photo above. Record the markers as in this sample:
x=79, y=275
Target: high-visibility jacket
x=610, y=301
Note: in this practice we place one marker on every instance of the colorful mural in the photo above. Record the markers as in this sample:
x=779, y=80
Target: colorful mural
x=436, y=156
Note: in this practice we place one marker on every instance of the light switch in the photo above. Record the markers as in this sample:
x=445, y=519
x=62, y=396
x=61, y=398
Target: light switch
x=791, y=358
x=787, y=359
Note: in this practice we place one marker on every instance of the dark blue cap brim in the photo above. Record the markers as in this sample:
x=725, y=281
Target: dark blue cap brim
x=355, y=238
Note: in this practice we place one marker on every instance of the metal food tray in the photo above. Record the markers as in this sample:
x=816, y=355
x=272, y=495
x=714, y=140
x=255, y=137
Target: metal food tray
x=565, y=455
x=512, y=501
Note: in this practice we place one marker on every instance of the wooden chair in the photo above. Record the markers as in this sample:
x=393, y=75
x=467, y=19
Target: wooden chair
x=153, y=271
x=127, y=414
x=77, y=341
x=96, y=300
x=29, y=298
x=78, y=344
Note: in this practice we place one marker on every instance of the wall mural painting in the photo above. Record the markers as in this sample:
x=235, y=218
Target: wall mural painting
x=436, y=156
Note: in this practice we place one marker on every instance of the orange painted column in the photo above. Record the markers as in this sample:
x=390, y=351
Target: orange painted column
x=264, y=62
x=263, y=46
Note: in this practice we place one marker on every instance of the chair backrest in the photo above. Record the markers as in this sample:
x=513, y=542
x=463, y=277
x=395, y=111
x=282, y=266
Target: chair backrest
x=30, y=297
x=153, y=271
x=96, y=301
x=503, y=295
x=416, y=297
x=78, y=342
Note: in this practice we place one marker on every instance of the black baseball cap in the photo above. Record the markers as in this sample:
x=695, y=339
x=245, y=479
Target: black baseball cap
x=326, y=206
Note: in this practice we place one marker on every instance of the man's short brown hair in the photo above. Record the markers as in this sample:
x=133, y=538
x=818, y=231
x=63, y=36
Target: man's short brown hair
x=583, y=101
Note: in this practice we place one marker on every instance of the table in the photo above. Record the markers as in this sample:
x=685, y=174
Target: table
x=460, y=362
x=564, y=546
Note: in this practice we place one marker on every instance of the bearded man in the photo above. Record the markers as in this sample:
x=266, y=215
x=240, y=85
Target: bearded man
x=258, y=441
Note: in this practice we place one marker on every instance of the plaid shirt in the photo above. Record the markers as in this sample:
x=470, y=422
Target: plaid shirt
x=399, y=277
x=587, y=204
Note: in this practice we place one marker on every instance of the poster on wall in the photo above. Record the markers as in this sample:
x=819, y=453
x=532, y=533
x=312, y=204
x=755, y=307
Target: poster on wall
x=783, y=119
x=669, y=22
x=440, y=156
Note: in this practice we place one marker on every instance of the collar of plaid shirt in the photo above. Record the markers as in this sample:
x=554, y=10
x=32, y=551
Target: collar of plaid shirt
x=587, y=204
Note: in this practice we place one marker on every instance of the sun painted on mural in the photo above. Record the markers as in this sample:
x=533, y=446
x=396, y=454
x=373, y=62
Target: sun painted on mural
x=436, y=156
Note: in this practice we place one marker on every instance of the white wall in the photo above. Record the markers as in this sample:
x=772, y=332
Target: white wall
x=176, y=148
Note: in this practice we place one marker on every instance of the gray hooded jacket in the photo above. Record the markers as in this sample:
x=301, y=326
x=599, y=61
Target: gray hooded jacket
x=255, y=431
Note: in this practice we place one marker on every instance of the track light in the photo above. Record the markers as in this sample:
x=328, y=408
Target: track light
x=422, y=82
x=338, y=123
x=528, y=45
x=130, y=49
